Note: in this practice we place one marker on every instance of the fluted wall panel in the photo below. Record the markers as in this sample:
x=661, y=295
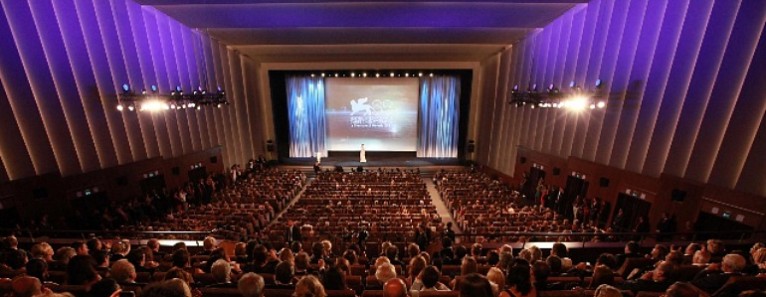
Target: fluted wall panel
x=683, y=80
x=63, y=63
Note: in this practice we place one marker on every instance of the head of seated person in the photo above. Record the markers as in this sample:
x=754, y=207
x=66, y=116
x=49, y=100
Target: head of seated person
x=251, y=285
x=334, y=279
x=221, y=271
x=430, y=276
x=26, y=286
x=309, y=286
x=284, y=273
x=395, y=287
x=123, y=271
x=475, y=285
x=385, y=272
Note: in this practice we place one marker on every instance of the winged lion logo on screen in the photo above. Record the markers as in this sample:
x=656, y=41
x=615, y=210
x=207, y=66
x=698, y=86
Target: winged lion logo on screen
x=360, y=105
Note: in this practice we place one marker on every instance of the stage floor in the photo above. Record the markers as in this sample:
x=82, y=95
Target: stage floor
x=349, y=162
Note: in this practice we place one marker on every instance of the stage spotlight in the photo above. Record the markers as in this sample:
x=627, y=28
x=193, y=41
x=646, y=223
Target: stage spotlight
x=312, y=75
x=125, y=88
x=153, y=105
x=577, y=103
x=377, y=74
x=601, y=104
x=406, y=74
x=593, y=106
x=120, y=107
x=364, y=74
x=420, y=74
x=431, y=74
x=336, y=74
x=392, y=74
x=353, y=74
x=131, y=108
x=322, y=74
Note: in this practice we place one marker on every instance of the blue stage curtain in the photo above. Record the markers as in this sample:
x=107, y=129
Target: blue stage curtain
x=439, y=117
x=305, y=99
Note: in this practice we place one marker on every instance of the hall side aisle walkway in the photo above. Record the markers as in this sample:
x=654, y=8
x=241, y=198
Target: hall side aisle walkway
x=441, y=207
x=290, y=204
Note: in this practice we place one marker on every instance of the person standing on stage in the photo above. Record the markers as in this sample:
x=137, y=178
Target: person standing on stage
x=362, y=158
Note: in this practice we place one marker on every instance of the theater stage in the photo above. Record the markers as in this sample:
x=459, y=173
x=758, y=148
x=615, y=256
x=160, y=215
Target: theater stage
x=350, y=160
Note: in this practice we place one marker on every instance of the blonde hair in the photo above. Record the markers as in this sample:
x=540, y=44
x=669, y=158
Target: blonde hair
x=309, y=286
x=496, y=276
x=607, y=291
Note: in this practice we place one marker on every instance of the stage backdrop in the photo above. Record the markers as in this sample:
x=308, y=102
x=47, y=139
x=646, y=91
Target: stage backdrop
x=384, y=114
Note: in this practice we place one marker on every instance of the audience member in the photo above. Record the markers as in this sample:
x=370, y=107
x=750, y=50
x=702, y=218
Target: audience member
x=251, y=285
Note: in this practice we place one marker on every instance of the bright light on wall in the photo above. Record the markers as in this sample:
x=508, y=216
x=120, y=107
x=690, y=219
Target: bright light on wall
x=154, y=105
x=577, y=103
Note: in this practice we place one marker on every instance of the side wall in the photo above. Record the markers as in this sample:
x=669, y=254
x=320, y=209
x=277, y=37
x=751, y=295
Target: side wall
x=63, y=63
x=684, y=81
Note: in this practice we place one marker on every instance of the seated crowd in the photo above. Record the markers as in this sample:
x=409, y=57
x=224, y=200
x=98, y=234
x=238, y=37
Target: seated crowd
x=97, y=268
x=486, y=209
x=239, y=211
x=319, y=248
x=360, y=206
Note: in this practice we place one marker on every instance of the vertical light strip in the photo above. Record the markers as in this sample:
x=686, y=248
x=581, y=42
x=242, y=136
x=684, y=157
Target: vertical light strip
x=614, y=40
x=731, y=76
x=584, y=78
x=562, y=59
x=135, y=122
x=160, y=77
x=117, y=75
x=680, y=76
x=58, y=77
x=626, y=87
x=570, y=75
x=703, y=79
x=188, y=64
x=169, y=73
x=177, y=68
x=13, y=150
x=84, y=80
x=36, y=83
x=106, y=91
x=657, y=82
x=653, y=21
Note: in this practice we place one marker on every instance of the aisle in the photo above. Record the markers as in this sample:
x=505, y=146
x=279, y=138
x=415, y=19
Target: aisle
x=441, y=207
x=290, y=204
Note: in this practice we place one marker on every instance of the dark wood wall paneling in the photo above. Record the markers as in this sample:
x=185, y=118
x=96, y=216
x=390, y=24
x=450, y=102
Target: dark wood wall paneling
x=51, y=193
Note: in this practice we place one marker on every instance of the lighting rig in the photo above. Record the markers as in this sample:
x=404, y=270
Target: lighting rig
x=575, y=100
x=177, y=99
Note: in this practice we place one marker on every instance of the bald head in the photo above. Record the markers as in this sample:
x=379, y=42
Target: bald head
x=26, y=286
x=395, y=287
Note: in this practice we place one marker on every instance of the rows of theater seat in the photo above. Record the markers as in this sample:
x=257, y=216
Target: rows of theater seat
x=83, y=269
x=237, y=212
x=383, y=204
x=485, y=207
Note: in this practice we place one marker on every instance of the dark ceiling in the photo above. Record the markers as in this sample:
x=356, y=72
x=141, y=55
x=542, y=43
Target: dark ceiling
x=306, y=30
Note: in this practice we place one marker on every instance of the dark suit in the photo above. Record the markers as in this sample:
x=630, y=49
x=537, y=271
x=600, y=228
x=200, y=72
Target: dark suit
x=710, y=282
x=646, y=285
x=293, y=233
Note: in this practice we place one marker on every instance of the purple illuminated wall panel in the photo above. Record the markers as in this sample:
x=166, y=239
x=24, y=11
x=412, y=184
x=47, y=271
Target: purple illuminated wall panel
x=682, y=93
x=63, y=64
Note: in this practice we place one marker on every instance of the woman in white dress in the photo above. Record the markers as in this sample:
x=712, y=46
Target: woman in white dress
x=362, y=158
